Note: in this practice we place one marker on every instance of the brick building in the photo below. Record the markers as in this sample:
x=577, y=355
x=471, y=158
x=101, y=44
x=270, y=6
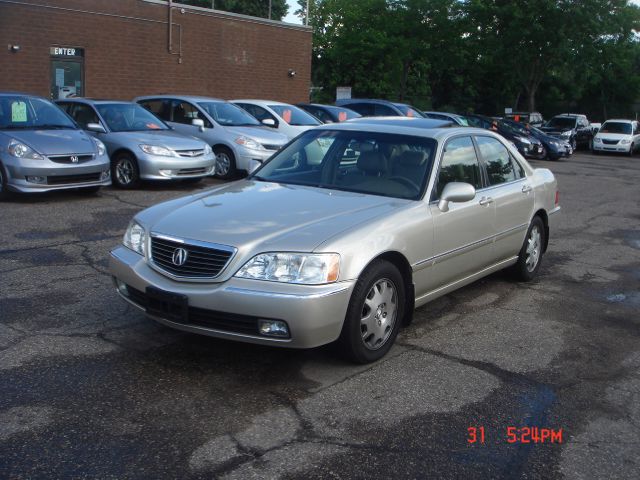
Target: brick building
x=124, y=48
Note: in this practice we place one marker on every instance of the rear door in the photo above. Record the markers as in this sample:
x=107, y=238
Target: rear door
x=463, y=234
x=511, y=193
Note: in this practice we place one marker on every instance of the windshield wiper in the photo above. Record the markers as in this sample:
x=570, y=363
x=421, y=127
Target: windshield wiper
x=16, y=127
x=53, y=126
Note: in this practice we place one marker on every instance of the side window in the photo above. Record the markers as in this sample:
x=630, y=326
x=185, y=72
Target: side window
x=258, y=112
x=364, y=109
x=84, y=115
x=184, y=112
x=157, y=107
x=459, y=164
x=383, y=111
x=500, y=167
x=66, y=107
x=322, y=115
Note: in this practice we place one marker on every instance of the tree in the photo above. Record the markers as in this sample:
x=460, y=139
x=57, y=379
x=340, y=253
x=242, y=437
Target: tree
x=256, y=8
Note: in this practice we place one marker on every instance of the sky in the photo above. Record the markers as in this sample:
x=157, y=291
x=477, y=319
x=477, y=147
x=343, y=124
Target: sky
x=293, y=6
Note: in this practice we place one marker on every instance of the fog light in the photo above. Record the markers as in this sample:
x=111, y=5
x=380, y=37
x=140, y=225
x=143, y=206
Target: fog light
x=274, y=328
x=106, y=174
x=166, y=173
x=122, y=287
x=36, y=179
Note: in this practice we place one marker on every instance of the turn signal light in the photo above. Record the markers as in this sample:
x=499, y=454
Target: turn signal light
x=557, y=197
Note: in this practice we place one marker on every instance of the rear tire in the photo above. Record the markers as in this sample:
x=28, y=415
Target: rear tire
x=375, y=312
x=225, y=163
x=4, y=190
x=124, y=171
x=530, y=256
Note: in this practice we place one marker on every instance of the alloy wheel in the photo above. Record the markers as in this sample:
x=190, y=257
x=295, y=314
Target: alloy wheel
x=125, y=171
x=534, y=244
x=223, y=164
x=379, y=313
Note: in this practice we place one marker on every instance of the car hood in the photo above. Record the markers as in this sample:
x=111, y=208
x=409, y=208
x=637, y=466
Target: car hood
x=167, y=138
x=54, y=142
x=256, y=216
x=260, y=134
x=555, y=130
x=613, y=136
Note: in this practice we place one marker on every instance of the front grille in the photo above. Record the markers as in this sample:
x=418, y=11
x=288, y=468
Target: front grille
x=610, y=142
x=202, y=261
x=71, y=158
x=190, y=153
x=227, y=322
x=271, y=147
x=192, y=171
x=71, y=179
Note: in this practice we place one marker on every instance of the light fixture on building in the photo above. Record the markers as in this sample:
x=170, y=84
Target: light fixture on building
x=292, y=73
x=14, y=48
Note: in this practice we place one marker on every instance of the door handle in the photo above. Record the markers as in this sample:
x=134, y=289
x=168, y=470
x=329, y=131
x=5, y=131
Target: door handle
x=526, y=188
x=486, y=201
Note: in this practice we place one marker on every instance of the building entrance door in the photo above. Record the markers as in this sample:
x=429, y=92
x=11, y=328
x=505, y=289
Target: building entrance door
x=67, y=73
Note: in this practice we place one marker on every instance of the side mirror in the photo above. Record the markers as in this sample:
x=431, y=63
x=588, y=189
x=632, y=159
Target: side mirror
x=95, y=127
x=269, y=122
x=457, y=192
x=198, y=122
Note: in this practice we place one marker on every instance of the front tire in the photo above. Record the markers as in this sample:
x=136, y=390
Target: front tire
x=124, y=171
x=374, y=314
x=530, y=256
x=225, y=163
x=4, y=190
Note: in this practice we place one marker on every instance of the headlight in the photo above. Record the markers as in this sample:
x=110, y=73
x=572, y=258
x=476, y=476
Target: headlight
x=135, y=237
x=524, y=140
x=20, y=150
x=306, y=268
x=101, y=148
x=567, y=133
x=625, y=141
x=157, y=150
x=597, y=140
x=249, y=143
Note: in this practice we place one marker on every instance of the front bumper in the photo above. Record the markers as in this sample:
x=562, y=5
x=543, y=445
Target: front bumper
x=155, y=167
x=536, y=152
x=314, y=314
x=28, y=176
x=602, y=147
x=245, y=155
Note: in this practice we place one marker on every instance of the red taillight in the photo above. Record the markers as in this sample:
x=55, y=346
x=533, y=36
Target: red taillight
x=557, y=197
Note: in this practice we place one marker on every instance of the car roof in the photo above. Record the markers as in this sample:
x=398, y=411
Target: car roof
x=260, y=102
x=621, y=120
x=22, y=94
x=93, y=101
x=347, y=101
x=188, y=98
x=419, y=127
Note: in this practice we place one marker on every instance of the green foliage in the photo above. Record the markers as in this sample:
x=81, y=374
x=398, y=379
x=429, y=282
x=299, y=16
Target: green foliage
x=480, y=55
x=257, y=8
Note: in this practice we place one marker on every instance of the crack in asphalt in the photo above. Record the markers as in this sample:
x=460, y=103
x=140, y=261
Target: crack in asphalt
x=116, y=197
x=10, y=251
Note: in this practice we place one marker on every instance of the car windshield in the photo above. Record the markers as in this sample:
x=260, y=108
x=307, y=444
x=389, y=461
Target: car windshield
x=514, y=128
x=373, y=163
x=129, y=117
x=616, y=127
x=22, y=112
x=408, y=111
x=562, y=122
x=228, y=115
x=294, y=115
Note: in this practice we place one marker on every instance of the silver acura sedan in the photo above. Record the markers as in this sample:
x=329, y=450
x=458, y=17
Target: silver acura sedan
x=339, y=236
x=141, y=146
x=41, y=149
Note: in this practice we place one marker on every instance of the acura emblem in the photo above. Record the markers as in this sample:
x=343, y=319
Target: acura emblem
x=179, y=256
x=74, y=159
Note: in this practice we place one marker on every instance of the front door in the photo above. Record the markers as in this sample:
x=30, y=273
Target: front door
x=463, y=234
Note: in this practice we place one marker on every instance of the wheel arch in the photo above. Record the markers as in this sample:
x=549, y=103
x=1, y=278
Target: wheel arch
x=122, y=150
x=402, y=264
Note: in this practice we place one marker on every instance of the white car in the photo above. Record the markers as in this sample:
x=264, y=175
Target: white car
x=283, y=117
x=617, y=136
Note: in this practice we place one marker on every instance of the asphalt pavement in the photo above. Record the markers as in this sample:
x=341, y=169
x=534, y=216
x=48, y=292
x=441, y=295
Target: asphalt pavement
x=90, y=388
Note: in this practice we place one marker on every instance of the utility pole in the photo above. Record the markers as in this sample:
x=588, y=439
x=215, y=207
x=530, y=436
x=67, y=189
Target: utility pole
x=306, y=18
x=269, y=9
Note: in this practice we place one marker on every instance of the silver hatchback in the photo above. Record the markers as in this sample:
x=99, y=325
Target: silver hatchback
x=41, y=149
x=141, y=146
